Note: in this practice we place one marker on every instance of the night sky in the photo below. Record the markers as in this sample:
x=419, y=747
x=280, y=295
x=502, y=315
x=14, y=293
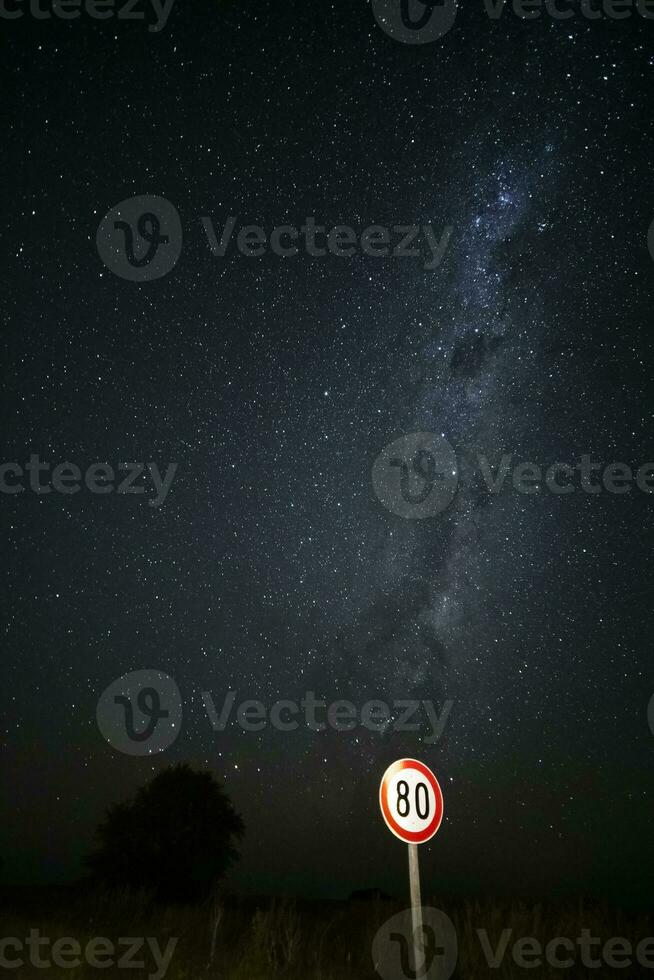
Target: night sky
x=272, y=568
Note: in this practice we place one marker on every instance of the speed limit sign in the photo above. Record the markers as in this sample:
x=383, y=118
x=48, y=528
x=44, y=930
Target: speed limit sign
x=411, y=801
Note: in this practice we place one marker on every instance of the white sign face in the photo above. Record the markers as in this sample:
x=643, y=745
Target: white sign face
x=411, y=801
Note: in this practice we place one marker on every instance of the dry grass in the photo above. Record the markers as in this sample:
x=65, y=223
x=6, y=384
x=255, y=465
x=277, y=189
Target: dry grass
x=250, y=940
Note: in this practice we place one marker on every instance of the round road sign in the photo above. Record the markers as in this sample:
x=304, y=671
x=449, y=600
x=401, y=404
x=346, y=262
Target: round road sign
x=411, y=801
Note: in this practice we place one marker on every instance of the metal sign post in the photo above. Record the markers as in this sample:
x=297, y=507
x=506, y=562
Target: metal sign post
x=411, y=802
x=416, y=908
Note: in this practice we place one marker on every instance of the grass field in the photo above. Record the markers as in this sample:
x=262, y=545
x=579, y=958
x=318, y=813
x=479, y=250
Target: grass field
x=232, y=939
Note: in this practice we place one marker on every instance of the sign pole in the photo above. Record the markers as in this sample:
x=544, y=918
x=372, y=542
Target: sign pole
x=416, y=907
x=411, y=802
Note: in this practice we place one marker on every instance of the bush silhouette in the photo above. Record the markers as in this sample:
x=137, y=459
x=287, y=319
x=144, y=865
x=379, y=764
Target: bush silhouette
x=176, y=838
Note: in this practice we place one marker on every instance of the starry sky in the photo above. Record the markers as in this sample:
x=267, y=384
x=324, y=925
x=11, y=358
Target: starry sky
x=274, y=383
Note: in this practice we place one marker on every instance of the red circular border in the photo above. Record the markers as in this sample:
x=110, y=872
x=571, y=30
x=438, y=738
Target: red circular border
x=411, y=837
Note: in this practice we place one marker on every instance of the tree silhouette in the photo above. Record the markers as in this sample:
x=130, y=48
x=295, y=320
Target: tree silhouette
x=176, y=838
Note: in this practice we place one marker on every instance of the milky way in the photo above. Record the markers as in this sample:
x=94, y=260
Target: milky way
x=273, y=568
